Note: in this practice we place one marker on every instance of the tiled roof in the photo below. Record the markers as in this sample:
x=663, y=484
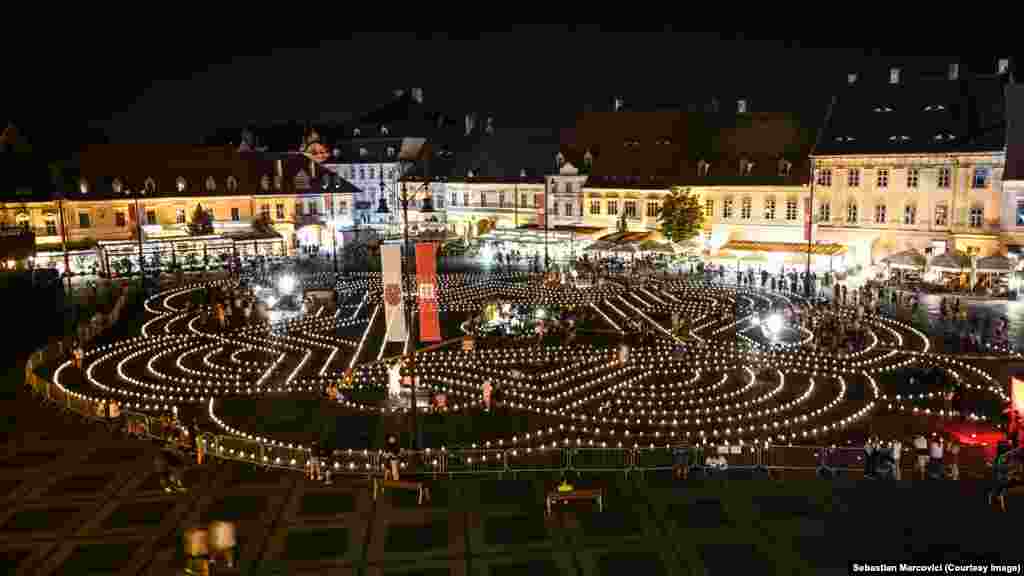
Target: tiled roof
x=1014, y=133
x=507, y=155
x=134, y=165
x=658, y=149
x=920, y=115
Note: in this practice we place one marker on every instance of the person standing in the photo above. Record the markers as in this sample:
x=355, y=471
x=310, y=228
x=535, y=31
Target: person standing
x=921, y=455
x=954, y=452
x=935, y=454
x=897, y=452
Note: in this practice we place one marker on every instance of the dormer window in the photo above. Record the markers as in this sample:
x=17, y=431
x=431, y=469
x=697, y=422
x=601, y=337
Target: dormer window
x=391, y=151
x=899, y=138
x=265, y=183
x=150, y=185
x=703, y=167
x=785, y=167
x=631, y=143
x=232, y=184
x=845, y=139
x=363, y=152
x=664, y=142
x=83, y=186
x=522, y=173
x=883, y=109
x=944, y=137
x=934, y=108
x=746, y=166
x=210, y=184
x=116, y=186
x=336, y=153
x=356, y=132
x=384, y=130
x=469, y=174
x=179, y=184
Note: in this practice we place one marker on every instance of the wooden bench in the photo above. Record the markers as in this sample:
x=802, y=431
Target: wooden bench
x=593, y=494
x=422, y=492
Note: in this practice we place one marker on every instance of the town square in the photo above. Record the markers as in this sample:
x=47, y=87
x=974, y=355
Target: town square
x=686, y=339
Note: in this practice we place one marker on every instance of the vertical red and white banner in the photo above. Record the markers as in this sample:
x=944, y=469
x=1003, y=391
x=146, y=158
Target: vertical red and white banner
x=394, y=304
x=538, y=201
x=808, y=221
x=426, y=277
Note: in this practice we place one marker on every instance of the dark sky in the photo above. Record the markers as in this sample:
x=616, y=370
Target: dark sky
x=134, y=91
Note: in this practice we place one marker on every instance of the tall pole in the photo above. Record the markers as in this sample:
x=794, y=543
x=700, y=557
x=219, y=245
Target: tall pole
x=515, y=201
x=408, y=316
x=64, y=242
x=810, y=235
x=138, y=232
x=546, y=184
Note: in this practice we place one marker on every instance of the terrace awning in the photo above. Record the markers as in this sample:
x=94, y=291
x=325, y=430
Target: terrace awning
x=785, y=247
x=995, y=264
x=906, y=259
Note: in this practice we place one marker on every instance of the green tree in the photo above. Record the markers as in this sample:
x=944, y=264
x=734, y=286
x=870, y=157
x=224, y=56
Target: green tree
x=202, y=222
x=681, y=216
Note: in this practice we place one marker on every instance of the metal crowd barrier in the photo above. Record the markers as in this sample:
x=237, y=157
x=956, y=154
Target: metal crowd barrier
x=438, y=463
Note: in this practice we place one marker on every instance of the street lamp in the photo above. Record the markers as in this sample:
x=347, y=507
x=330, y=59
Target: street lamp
x=138, y=234
x=426, y=206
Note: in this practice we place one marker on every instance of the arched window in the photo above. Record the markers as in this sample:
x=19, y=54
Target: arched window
x=232, y=184
x=180, y=184
x=117, y=186
x=83, y=186
x=851, y=212
x=265, y=183
x=211, y=184
x=150, y=186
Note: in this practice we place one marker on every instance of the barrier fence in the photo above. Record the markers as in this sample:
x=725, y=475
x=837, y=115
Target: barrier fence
x=972, y=460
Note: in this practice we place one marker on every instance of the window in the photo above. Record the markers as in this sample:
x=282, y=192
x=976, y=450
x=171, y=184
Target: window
x=613, y=207
x=769, y=209
x=455, y=199
x=83, y=220
x=465, y=198
x=501, y=199
x=211, y=184
x=727, y=208
x=913, y=176
x=119, y=220
x=314, y=207
x=265, y=211
x=630, y=208
x=524, y=199
x=116, y=186
x=851, y=213
x=880, y=213
x=554, y=208
x=179, y=215
x=235, y=216
x=554, y=187
x=568, y=187
x=151, y=217
x=825, y=177
x=330, y=205
x=280, y=211
x=945, y=175
x=910, y=214
x=853, y=177
x=180, y=184
x=299, y=208
x=232, y=184
x=883, y=178
x=652, y=209
x=791, y=209
x=942, y=215
x=745, y=208
x=362, y=172
x=977, y=216
x=342, y=207
x=709, y=208
x=568, y=208
x=51, y=228
x=980, y=178
x=825, y=211
x=1020, y=212
x=595, y=207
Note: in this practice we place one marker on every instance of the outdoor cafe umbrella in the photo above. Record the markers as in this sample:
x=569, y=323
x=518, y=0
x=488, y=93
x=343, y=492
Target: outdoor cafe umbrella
x=995, y=264
x=908, y=259
x=755, y=258
x=599, y=246
x=950, y=262
x=626, y=249
x=654, y=246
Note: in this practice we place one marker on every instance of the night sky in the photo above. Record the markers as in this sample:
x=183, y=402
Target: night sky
x=126, y=91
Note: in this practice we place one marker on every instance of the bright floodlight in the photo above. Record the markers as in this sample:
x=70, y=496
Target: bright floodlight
x=755, y=320
x=774, y=324
x=271, y=301
x=286, y=284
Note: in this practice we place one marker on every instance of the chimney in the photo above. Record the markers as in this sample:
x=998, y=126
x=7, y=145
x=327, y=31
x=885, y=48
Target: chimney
x=741, y=106
x=618, y=103
x=894, y=75
x=851, y=78
x=417, y=95
x=1003, y=66
x=954, y=71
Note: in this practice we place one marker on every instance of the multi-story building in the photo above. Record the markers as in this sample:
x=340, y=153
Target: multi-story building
x=915, y=163
x=749, y=170
x=112, y=185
